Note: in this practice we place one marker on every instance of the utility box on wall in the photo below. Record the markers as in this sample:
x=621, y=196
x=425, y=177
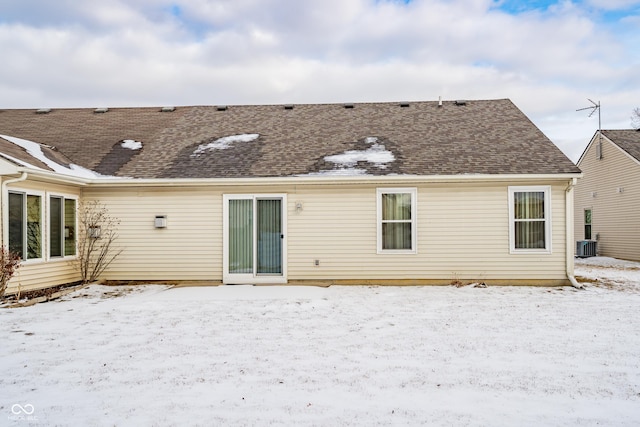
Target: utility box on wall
x=161, y=221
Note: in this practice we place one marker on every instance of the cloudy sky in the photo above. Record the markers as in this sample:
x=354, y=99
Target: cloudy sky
x=547, y=56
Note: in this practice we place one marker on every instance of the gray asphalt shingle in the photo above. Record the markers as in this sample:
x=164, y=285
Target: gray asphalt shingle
x=480, y=137
x=627, y=139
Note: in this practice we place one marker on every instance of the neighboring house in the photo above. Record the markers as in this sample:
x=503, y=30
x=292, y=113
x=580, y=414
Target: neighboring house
x=371, y=193
x=607, y=199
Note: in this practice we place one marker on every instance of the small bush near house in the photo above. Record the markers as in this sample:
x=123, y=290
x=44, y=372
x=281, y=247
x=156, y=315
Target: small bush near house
x=10, y=262
x=96, y=237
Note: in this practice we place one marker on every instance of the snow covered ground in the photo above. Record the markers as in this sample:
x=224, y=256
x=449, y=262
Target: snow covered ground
x=499, y=356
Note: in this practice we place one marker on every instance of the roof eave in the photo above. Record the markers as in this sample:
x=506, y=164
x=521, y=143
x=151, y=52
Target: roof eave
x=319, y=180
x=54, y=176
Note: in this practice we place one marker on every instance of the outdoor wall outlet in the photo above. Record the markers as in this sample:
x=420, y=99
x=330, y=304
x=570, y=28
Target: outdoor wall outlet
x=316, y=262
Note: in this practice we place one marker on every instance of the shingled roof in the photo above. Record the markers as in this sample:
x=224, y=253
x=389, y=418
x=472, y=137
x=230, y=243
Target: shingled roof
x=418, y=138
x=627, y=139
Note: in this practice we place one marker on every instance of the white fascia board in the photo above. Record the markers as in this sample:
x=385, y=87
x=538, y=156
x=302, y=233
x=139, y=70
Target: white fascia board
x=593, y=138
x=384, y=179
x=8, y=168
x=612, y=142
x=53, y=176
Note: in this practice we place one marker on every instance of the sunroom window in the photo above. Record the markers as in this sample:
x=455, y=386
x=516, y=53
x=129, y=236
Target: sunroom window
x=62, y=226
x=530, y=219
x=397, y=220
x=25, y=225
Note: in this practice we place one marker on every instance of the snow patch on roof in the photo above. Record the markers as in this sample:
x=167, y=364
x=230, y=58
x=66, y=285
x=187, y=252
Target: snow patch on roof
x=338, y=172
x=347, y=162
x=377, y=154
x=19, y=162
x=224, y=143
x=131, y=144
x=34, y=150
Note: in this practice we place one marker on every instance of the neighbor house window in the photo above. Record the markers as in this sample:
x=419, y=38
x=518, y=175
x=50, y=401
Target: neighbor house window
x=587, y=224
x=25, y=225
x=397, y=220
x=62, y=226
x=530, y=219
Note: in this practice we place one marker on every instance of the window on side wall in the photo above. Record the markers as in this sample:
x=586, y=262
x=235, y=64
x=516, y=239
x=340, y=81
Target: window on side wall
x=25, y=224
x=396, y=220
x=530, y=219
x=62, y=226
x=587, y=224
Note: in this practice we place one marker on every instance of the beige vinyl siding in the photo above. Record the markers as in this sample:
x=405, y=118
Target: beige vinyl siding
x=616, y=215
x=34, y=275
x=43, y=273
x=189, y=248
x=463, y=233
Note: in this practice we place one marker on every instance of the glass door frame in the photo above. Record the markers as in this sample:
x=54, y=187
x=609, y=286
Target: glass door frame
x=253, y=278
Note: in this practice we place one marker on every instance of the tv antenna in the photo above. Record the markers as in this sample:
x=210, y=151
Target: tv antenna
x=595, y=107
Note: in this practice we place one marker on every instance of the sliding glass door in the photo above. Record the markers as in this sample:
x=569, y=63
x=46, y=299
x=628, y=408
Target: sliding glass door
x=269, y=236
x=254, y=238
x=241, y=236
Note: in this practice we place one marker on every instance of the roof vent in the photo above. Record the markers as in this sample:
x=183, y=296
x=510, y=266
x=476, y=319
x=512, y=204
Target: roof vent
x=461, y=102
x=43, y=110
x=440, y=101
x=404, y=104
x=168, y=109
x=101, y=110
x=347, y=105
x=221, y=108
x=288, y=107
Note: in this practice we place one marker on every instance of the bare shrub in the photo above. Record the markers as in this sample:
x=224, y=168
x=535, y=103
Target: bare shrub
x=96, y=236
x=9, y=262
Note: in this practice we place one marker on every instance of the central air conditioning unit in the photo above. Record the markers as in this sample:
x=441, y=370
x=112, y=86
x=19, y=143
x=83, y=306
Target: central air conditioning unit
x=586, y=248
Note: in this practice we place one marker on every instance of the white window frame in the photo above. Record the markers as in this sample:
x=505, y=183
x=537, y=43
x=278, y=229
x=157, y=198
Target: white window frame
x=64, y=197
x=43, y=202
x=413, y=191
x=547, y=219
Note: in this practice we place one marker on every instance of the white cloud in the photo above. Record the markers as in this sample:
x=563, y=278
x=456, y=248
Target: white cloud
x=141, y=52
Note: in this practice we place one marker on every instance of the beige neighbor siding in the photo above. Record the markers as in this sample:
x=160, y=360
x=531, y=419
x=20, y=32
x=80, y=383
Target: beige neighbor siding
x=44, y=273
x=611, y=188
x=463, y=233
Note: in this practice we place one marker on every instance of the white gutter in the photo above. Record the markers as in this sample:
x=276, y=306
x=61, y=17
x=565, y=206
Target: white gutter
x=569, y=233
x=326, y=179
x=286, y=180
x=5, y=201
x=55, y=176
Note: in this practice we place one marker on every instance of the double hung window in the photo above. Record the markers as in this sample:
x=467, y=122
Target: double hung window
x=62, y=226
x=396, y=220
x=530, y=219
x=25, y=224
x=587, y=224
